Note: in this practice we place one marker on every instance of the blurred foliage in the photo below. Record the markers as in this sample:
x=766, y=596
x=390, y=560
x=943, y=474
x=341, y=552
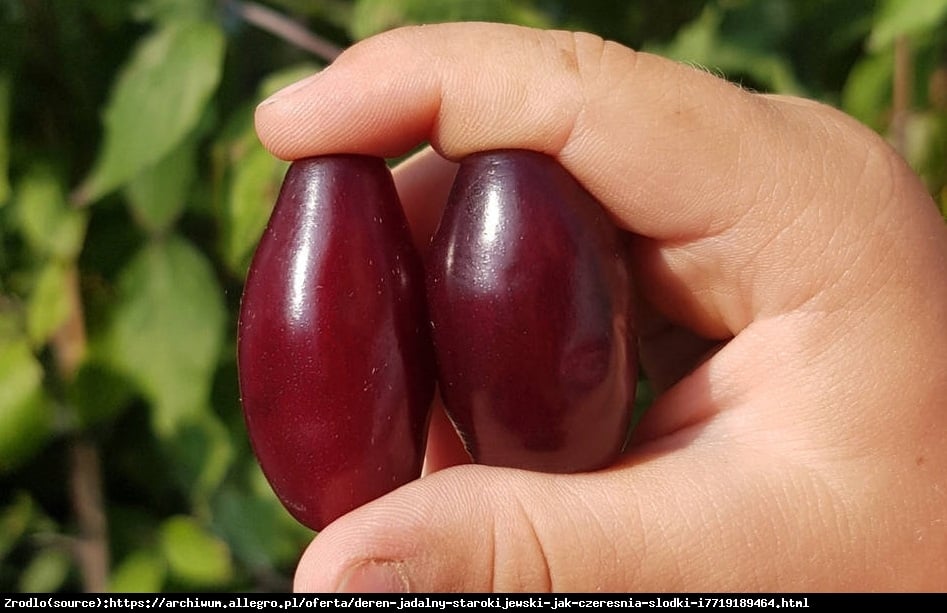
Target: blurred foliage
x=133, y=191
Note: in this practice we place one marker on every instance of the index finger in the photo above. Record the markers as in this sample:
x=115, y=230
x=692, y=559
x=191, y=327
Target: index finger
x=615, y=117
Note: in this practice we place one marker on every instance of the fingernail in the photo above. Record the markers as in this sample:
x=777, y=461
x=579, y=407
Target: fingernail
x=375, y=576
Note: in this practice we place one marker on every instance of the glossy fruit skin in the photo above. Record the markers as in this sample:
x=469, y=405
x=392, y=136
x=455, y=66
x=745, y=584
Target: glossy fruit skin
x=334, y=356
x=531, y=309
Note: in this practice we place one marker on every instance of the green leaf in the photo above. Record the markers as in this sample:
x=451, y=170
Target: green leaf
x=254, y=187
x=194, y=554
x=259, y=529
x=702, y=43
x=896, y=18
x=159, y=193
x=98, y=393
x=140, y=572
x=50, y=226
x=170, y=10
x=696, y=41
x=15, y=518
x=167, y=329
x=135, y=526
x=926, y=147
x=254, y=177
x=46, y=572
x=25, y=413
x=373, y=16
x=158, y=99
x=202, y=453
x=49, y=303
x=866, y=95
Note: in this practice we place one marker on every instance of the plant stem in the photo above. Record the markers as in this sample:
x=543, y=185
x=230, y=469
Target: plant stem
x=902, y=87
x=69, y=341
x=285, y=28
x=86, y=489
x=85, y=478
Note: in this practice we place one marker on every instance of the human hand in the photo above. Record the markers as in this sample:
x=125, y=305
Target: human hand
x=793, y=277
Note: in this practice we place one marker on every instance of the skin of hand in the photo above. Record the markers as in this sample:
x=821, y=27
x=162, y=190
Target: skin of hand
x=792, y=272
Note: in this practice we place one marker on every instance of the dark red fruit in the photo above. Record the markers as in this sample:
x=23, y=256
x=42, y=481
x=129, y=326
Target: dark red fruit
x=532, y=318
x=335, y=364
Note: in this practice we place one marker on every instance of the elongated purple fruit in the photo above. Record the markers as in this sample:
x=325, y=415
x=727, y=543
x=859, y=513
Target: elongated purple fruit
x=530, y=303
x=335, y=365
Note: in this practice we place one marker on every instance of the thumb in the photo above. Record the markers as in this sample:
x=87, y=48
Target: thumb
x=642, y=526
x=467, y=529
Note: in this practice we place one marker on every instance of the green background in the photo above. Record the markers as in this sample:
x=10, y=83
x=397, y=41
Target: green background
x=133, y=191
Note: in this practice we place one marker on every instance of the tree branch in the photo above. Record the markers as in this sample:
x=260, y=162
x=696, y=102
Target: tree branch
x=285, y=28
x=902, y=88
x=92, y=548
x=85, y=470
